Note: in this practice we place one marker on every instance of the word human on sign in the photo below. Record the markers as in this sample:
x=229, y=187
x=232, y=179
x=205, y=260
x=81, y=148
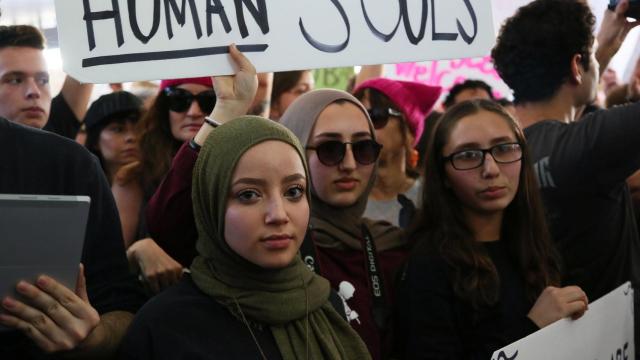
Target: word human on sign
x=119, y=40
x=173, y=12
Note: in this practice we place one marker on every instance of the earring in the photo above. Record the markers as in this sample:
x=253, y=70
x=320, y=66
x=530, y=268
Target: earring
x=414, y=157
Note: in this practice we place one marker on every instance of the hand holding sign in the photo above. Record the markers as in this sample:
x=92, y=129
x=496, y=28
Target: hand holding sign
x=234, y=93
x=557, y=303
x=604, y=332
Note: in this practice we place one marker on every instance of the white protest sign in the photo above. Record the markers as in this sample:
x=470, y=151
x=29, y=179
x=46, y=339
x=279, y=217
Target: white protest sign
x=125, y=40
x=604, y=332
x=447, y=73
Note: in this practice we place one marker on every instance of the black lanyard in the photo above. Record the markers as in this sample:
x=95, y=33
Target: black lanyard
x=380, y=309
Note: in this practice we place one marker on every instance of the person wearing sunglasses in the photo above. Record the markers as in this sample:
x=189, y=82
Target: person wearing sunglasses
x=174, y=117
x=483, y=273
x=397, y=110
x=358, y=256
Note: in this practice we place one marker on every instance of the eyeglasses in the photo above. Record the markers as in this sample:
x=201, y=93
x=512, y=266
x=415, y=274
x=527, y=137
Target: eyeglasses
x=331, y=153
x=474, y=158
x=380, y=116
x=180, y=99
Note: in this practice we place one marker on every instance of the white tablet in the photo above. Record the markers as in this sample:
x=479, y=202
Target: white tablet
x=41, y=234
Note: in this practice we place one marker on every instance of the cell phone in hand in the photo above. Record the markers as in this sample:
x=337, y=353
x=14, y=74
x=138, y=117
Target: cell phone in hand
x=632, y=12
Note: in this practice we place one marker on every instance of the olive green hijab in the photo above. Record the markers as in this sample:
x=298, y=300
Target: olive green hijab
x=338, y=227
x=291, y=301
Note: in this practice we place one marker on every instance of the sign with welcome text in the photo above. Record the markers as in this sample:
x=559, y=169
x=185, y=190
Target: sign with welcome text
x=124, y=40
x=605, y=332
x=447, y=73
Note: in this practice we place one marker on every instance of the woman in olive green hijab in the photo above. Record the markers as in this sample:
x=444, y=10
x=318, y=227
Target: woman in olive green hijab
x=249, y=295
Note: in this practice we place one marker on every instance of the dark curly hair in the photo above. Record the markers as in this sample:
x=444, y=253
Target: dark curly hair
x=535, y=47
x=441, y=228
x=450, y=100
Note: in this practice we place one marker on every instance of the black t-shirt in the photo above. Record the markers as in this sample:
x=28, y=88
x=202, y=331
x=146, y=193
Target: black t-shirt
x=184, y=323
x=435, y=323
x=62, y=120
x=581, y=168
x=37, y=162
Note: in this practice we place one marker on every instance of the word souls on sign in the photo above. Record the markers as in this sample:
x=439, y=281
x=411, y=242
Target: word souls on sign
x=122, y=40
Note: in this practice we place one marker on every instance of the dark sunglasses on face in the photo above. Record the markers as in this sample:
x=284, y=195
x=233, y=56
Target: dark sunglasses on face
x=180, y=99
x=380, y=116
x=474, y=158
x=331, y=153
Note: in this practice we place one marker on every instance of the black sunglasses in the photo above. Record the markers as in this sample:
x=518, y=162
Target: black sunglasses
x=380, y=116
x=332, y=152
x=180, y=99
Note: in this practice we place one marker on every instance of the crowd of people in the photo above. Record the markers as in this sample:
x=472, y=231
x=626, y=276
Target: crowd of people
x=253, y=216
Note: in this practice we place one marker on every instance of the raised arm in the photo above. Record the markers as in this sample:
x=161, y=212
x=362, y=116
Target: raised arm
x=169, y=212
x=77, y=96
x=613, y=31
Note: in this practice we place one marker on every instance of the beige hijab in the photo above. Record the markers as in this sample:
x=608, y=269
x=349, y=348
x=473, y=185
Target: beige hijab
x=338, y=227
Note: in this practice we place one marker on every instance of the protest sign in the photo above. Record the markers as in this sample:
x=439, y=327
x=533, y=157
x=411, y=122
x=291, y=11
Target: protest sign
x=604, y=332
x=447, y=73
x=125, y=40
x=333, y=78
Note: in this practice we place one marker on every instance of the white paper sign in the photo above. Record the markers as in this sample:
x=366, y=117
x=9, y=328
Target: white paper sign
x=125, y=40
x=605, y=332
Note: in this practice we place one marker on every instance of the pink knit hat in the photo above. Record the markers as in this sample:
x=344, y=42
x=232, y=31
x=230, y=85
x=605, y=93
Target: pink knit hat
x=415, y=100
x=206, y=81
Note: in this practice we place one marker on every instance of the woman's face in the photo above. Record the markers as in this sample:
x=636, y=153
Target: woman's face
x=343, y=184
x=117, y=143
x=303, y=86
x=267, y=209
x=492, y=186
x=395, y=138
x=185, y=125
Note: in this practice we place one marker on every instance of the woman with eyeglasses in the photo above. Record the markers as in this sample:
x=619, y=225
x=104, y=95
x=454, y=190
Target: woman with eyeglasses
x=358, y=256
x=397, y=109
x=483, y=273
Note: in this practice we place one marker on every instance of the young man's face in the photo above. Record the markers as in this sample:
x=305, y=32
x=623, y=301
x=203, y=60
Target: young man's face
x=25, y=96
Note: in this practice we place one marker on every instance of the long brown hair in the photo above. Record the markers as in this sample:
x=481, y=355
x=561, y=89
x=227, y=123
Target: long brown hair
x=440, y=227
x=157, y=144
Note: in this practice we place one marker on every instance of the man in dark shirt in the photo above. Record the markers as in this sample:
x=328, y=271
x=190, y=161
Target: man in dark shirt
x=90, y=320
x=548, y=55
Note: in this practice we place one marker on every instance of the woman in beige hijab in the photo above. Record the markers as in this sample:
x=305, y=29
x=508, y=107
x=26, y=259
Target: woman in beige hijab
x=358, y=256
